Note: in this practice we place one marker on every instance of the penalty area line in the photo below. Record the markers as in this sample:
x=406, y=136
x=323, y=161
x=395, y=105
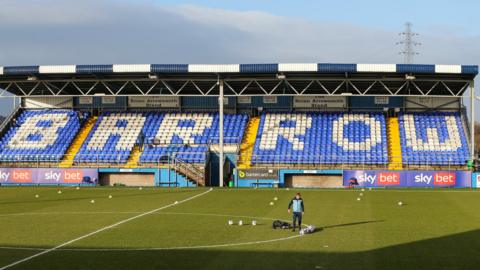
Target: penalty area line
x=101, y=230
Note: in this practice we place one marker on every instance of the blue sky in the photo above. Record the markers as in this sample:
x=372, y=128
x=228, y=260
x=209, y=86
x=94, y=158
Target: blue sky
x=428, y=15
x=227, y=31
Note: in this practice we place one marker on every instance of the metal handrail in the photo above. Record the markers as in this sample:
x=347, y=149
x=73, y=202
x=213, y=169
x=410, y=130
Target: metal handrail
x=9, y=119
x=344, y=161
x=189, y=167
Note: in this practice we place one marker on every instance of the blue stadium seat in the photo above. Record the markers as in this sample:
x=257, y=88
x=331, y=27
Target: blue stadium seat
x=434, y=138
x=40, y=135
x=112, y=138
x=187, y=135
x=321, y=138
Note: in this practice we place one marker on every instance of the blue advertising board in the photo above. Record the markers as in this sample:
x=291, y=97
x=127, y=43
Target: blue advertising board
x=380, y=178
x=47, y=176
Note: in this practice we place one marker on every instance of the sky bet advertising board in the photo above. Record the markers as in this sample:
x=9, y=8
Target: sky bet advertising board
x=370, y=178
x=19, y=176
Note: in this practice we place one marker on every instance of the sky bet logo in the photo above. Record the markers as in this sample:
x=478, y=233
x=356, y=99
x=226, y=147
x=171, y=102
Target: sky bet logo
x=21, y=176
x=52, y=176
x=444, y=179
x=438, y=179
x=66, y=176
x=389, y=178
x=382, y=178
x=72, y=176
x=4, y=176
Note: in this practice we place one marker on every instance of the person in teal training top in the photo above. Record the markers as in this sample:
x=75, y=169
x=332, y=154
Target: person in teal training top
x=296, y=204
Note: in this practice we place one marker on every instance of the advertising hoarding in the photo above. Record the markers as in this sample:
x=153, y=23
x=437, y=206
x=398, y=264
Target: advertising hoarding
x=47, y=176
x=379, y=178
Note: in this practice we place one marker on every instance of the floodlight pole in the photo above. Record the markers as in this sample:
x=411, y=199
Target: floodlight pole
x=220, y=132
x=472, y=120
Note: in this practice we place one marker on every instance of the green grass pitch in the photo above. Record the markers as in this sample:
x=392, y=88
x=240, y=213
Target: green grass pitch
x=434, y=229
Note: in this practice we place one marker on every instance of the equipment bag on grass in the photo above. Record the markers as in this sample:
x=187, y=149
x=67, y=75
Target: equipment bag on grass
x=279, y=224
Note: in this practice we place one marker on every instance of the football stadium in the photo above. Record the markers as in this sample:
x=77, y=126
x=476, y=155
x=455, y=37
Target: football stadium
x=252, y=134
x=171, y=166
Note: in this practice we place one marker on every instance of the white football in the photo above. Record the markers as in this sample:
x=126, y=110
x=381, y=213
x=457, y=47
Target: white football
x=109, y=196
x=400, y=203
x=271, y=203
x=358, y=199
x=36, y=196
x=92, y=201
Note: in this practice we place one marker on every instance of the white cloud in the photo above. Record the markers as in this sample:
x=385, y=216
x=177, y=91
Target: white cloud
x=50, y=12
x=107, y=31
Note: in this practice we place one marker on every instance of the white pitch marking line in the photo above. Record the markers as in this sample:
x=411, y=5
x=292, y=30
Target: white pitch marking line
x=188, y=247
x=164, y=248
x=176, y=248
x=101, y=230
x=69, y=213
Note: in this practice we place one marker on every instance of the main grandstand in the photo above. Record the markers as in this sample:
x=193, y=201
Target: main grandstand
x=248, y=125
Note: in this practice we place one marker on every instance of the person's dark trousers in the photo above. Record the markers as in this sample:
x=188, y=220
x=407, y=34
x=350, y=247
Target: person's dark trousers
x=297, y=216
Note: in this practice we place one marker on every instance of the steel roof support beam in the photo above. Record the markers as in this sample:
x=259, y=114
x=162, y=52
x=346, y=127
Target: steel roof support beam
x=254, y=87
x=323, y=87
x=169, y=88
x=355, y=88
x=138, y=88
x=233, y=90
